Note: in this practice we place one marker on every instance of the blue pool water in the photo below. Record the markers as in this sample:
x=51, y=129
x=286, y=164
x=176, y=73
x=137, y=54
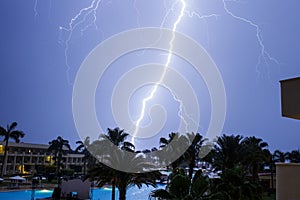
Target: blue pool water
x=25, y=194
x=133, y=193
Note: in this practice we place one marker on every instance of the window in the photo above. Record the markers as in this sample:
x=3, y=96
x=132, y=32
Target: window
x=1, y=149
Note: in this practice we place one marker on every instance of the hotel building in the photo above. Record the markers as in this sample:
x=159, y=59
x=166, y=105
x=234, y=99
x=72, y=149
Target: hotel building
x=24, y=157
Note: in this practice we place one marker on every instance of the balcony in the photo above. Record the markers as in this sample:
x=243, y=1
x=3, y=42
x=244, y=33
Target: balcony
x=290, y=98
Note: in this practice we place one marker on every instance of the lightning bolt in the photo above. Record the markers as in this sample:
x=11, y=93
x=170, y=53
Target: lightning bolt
x=182, y=112
x=155, y=87
x=80, y=19
x=264, y=55
x=193, y=13
x=49, y=11
x=35, y=8
x=137, y=13
x=75, y=22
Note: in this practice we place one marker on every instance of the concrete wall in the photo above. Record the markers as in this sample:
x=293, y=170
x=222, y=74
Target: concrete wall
x=287, y=181
x=76, y=185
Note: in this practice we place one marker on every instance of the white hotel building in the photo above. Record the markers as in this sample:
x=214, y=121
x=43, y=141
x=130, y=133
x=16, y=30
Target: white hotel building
x=24, y=157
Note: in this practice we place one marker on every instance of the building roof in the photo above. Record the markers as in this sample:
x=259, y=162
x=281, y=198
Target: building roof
x=26, y=145
x=37, y=146
x=290, y=79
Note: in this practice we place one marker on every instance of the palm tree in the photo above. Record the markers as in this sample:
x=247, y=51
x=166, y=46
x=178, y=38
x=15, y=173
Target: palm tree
x=166, y=143
x=192, y=152
x=227, y=152
x=102, y=149
x=279, y=156
x=59, y=147
x=235, y=183
x=271, y=163
x=255, y=152
x=117, y=137
x=9, y=133
x=88, y=160
x=294, y=156
x=120, y=179
x=182, y=187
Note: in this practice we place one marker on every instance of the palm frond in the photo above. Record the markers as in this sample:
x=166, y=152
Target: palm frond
x=162, y=194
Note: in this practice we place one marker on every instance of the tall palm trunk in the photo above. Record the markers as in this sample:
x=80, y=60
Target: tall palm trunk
x=191, y=166
x=4, y=159
x=58, y=170
x=122, y=191
x=255, y=171
x=113, y=191
x=58, y=165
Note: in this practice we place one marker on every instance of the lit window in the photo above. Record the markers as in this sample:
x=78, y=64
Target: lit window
x=1, y=149
x=48, y=158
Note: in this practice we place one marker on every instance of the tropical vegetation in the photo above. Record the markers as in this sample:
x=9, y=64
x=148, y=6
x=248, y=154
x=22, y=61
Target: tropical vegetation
x=89, y=161
x=104, y=174
x=181, y=187
x=59, y=147
x=237, y=159
x=9, y=133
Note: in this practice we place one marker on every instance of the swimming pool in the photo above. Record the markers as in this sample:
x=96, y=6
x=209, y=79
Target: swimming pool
x=25, y=194
x=133, y=193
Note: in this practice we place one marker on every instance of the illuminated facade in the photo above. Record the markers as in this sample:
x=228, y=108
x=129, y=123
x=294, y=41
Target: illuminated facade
x=24, y=157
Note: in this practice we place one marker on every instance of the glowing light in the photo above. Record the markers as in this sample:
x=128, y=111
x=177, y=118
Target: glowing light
x=1, y=149
x=48, y=158
x=152, y=93
x=44, y=191
x=107, y=188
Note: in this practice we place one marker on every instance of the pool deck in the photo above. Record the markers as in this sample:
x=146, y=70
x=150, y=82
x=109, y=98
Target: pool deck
x=47, y=186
